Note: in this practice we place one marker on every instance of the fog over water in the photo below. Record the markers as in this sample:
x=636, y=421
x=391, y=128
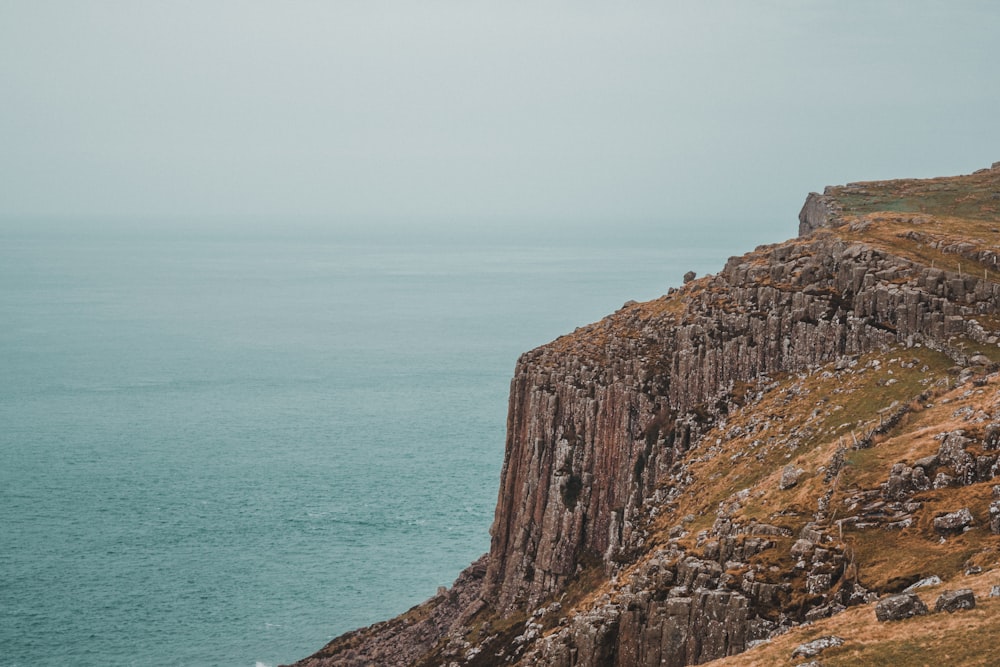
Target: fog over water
x=266, y=268
x=473, y=115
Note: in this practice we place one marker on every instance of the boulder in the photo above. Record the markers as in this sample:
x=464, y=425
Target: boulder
x=801, y=548
x=953, y=522
x=817, y=584
x=995, y=517
x=991, y=439
x=952, y=601
x=943, y=480
x=817, y=646
x=790, y=477
x=952, y=453
x=824, y=611
x=898, y=607
x=932, y=580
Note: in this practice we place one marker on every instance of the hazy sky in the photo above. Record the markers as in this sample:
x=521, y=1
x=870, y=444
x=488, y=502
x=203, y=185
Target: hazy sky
x=471, y=114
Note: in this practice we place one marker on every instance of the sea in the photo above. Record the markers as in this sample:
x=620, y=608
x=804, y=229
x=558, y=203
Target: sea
x=227, y=447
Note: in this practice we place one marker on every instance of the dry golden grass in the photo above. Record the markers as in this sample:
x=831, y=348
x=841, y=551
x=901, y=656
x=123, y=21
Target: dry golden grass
x=802, y=422
x=965, y=638
x=896, y=234
x=927, y=221
x=970, y=196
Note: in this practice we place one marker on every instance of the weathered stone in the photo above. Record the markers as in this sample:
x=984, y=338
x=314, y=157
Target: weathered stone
x=801, y=548
x=817, y=646
x=991, y=438
x=824, y=611
x=899, y=525
x=790, y=477
x=952, y=601
x=899, y=607
x=995, y=517
x=953, y=453
x=689, y=276
x=816, y=212
x=810, y=534
x=985, y=466
x=932, y=580
x=953, y=522
x=818, y=583
x=904, y=481
x=675, y=632
x=943, y=480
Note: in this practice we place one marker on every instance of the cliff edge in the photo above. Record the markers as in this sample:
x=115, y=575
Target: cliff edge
x=752, y=460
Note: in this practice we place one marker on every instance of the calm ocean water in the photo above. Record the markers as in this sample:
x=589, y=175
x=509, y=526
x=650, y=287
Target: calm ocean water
x=227, y=451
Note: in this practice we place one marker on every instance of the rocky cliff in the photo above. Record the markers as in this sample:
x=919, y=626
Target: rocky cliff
x=701, y=474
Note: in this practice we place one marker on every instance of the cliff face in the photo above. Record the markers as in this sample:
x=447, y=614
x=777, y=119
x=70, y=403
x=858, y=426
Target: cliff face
x=613, y=432
x=592, y=430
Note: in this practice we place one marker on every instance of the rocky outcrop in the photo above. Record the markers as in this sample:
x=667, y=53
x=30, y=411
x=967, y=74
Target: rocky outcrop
x=900, y=607
x=678, y=630
x=952, y=601
x=817, y=646
x=953, y=522
x=598, y=418
x=960, y=461
x=603, y=425
x=818, y=211
x=926, y=582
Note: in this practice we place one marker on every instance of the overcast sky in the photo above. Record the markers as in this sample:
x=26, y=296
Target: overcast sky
x=465, y=113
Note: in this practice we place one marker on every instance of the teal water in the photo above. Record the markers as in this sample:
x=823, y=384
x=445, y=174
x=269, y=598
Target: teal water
x=227, y=451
